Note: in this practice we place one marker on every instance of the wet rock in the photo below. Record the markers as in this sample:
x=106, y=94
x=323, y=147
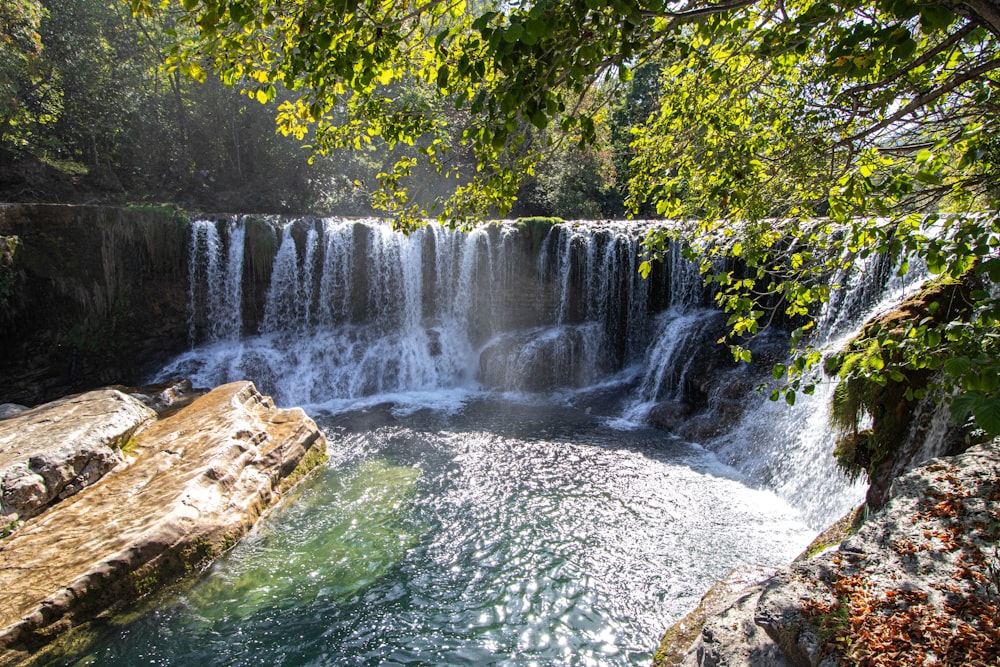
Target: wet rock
x=53, y=451
x=165, y=398
x=670, y=415
x=200, y=480
x=541, y=359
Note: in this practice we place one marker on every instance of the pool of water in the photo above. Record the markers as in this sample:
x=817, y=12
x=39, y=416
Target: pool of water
x=503, y=533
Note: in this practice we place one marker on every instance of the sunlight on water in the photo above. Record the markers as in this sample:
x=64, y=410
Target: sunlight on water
x=338, y=535
x=507, y=534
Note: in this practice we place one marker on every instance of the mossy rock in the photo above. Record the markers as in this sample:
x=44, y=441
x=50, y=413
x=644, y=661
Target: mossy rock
x=538, y=227
x=871, y=410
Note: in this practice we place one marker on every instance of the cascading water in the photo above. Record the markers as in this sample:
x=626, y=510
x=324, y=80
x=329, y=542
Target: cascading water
x=354, y=310
x=492, y=497
x=216, y=271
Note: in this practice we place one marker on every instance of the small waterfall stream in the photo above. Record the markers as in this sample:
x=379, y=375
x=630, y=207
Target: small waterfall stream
x=495, y=495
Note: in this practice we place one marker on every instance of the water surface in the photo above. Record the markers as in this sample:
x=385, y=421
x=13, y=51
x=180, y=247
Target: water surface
x=505, y=533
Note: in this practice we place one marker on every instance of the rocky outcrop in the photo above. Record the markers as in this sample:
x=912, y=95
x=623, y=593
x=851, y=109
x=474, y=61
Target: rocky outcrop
x=722, y=627
x=55, y=450
x=919, y=582
x=89, y=296
x=200, y=479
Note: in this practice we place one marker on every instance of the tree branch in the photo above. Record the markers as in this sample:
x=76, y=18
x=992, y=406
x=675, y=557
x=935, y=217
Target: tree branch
x=922, y=100
x=940, y=48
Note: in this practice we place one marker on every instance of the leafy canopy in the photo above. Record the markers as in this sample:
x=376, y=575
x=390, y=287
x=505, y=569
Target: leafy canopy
x=866, y=126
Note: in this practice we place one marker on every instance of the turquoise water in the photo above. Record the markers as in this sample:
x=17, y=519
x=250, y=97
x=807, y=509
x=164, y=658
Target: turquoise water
x=503, y=534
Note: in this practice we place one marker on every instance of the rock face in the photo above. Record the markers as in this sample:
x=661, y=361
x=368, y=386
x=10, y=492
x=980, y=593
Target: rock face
x=55, y=450
x=200, y=479
x=919, y=582
x=722, y=627
x=89, y=296
x=920, y=578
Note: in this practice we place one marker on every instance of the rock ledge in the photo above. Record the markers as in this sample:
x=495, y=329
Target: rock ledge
x=200, y=479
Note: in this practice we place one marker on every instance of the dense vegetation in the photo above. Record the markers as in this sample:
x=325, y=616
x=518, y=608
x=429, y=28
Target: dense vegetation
x=870, y=127
x=90, y=112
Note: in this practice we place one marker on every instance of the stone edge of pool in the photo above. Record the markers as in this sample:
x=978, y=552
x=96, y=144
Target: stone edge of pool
x=99, y=515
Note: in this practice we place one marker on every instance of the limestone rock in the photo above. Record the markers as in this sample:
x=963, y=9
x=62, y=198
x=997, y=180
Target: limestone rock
x=927, y=560
x=201, y=478
x=722, y=628
x=55, y=450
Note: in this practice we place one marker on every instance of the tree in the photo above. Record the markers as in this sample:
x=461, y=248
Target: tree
x=28, y=97
x=879, y=114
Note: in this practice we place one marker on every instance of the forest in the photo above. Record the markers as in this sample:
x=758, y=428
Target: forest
x=92, y=113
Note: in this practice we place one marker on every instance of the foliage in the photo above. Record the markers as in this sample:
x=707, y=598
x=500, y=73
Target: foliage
x=28, y=97
x=872, y=408
x=879, y=115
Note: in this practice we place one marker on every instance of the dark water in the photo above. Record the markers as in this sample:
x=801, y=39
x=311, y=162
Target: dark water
x=504, y=534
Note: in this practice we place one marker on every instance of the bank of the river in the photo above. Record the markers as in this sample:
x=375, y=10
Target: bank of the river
x=120, y=516
x=916, y=584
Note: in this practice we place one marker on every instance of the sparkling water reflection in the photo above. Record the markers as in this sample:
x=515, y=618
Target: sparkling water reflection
x=505, y=534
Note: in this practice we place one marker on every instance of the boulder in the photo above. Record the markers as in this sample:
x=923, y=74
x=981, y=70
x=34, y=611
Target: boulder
x=919, y=583
x=721, y=630
x=201, y=478
x=53, y=451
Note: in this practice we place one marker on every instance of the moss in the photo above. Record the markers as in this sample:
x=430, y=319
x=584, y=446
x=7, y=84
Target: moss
x=10, y=528
x=197, y=554
x=872, y=408
x=8, y=277
x=538, y=227
x=142, y=583
x=847, y=525
x=313, y=457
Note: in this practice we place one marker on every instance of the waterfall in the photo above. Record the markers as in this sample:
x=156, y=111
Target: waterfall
x=215, y=292
x=350, y=310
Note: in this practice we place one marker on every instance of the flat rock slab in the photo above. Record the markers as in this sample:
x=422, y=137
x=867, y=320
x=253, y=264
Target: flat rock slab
x=200, y=480
x=53, y=451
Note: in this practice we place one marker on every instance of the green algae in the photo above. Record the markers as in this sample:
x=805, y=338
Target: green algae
x=301, y=553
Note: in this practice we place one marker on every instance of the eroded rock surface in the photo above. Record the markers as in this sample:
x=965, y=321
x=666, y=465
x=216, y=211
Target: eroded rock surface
x=201, y=478
x=918, y=584
x=55, y=450
x=721, y=631
x=918, y=579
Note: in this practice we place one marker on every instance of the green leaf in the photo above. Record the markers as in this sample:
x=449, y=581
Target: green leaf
x=779, y=371
x=790, y=397
x=986, y=412
x=935, y=17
